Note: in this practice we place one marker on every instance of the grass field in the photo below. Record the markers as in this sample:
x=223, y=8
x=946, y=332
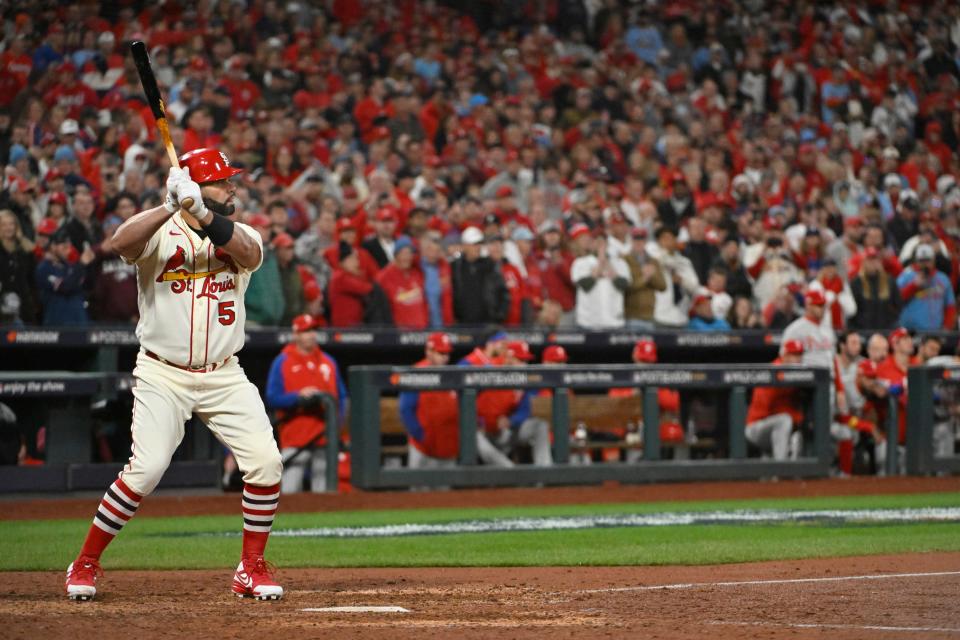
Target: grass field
x=170, y=543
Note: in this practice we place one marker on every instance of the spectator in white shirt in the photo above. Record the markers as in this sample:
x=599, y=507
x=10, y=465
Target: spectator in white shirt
x=601, y=280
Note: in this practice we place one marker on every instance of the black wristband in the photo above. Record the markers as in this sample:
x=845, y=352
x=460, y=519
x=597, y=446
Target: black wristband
x=220, y=229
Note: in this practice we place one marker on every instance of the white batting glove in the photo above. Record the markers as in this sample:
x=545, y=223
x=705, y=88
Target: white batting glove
x=174, y=178
x=190, y=190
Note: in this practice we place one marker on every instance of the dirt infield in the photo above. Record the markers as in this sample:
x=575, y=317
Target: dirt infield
x=227, y=504
x=831, y=598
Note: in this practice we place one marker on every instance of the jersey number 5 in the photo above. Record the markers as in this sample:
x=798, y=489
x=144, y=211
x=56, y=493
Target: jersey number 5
x=225, y=313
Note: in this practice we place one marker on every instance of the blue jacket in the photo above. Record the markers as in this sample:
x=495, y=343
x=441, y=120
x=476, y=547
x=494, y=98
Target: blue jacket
x=61, y=293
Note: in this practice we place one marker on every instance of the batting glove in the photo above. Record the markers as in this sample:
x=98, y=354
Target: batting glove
x=174, y=178
x=188, y=189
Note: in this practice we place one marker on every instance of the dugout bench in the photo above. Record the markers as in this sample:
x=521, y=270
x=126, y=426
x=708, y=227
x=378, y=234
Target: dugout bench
x=368, y=384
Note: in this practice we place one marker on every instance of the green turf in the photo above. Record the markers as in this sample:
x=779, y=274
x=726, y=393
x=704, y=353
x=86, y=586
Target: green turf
x=155, y=543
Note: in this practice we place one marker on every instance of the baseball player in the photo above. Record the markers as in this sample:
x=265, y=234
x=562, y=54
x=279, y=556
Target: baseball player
x=191, y=278
x=775, y=411
x=431, y=418
x=297, y=376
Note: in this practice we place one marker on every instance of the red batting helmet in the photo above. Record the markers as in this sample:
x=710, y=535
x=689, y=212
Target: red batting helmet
x=208, y=165
x=555, y=353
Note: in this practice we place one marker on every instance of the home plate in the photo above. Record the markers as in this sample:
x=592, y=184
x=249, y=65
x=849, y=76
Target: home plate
x=356, y=610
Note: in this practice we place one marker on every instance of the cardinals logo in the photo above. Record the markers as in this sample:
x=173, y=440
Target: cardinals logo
x=172, y=271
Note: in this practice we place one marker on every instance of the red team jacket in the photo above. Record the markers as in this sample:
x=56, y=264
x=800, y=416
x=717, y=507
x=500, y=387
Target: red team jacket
x=438, y=415
x=769, y=401
x=890, y=372
x=292, y=371
x=404, y=290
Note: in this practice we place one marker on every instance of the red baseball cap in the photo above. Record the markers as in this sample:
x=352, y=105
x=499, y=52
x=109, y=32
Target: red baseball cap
x=792, y=347
x=578, y=230
x=853, y=221
x=387, y=214
x=439, y=342
x=555, y=353
x=772, y=224
x=47, y=227
x=505, y=191
x=815, y=296
x=346, y=224
x=304, y=322
x=519, y=350
x=645, y=351
x=259, y=220
x=867, y=368
x=897, y=334
x=58, y=198
x=282, y=241
x=677, y=176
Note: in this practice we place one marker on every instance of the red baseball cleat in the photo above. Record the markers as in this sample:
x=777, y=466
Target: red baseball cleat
x=254, y=579
x=82, y=575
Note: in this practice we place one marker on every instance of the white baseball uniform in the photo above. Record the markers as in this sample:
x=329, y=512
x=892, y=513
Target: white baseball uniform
x=191, y=325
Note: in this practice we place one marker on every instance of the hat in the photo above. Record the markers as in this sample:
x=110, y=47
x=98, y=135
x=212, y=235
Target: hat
x=60, y=236
x=891, y=180
x=497, y=335
x=867, y=368
x=259, y=220
x=112, y=221
x=891, y=153
x=578, y=230
x=871, y=252
x=897, y=334
x=853, y=221
x=519, y=350
x=677, y=176
x=106, y=37
x=555, y=353
x=17, y=153
x=387, y=214
x=522, y=233
x=440, y=342
x=346, y=224
x=743, y=179
x=471, y=235
x=700, y=297
x=304, y=322
x=548, y=226
x=47, y=227
x=616, y=218
x=924, y=252
x=64, y=152
x=815, y=296
x=403, y=242
x=505, y=191
x=792, y=347
x=57, y=197
x=639, y=233
x=645, y=351
x=282, y=241
x=772, y=224
x=69, y=127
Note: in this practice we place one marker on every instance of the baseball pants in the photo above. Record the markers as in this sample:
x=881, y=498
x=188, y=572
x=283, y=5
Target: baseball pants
x=164, y=398
x=773, y=434
x=416, y=459
x=534, y=432
x=295, y=466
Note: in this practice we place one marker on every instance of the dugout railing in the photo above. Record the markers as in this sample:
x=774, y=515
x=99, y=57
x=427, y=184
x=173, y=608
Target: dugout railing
x=369, y=383
x=929, y=386
x=68, y=465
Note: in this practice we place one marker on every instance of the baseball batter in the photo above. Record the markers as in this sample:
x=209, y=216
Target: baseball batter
x=191, y=274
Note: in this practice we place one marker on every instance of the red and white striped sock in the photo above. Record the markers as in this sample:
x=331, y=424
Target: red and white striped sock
x=259, y=507
x=118, y=505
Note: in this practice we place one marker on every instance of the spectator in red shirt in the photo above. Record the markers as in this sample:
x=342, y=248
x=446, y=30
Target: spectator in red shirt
x=554, y=262
x=348, y=288
x=402, y=282
x=775, y=412
x=70, y=94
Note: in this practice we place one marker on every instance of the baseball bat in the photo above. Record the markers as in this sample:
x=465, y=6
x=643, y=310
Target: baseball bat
x=152, y=92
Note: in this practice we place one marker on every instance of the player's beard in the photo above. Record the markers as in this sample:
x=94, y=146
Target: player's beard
x=224, y=209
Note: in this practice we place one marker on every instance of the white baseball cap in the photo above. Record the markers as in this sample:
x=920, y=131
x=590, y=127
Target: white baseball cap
x=471, y=235
x=69, y=127
x=924, y=252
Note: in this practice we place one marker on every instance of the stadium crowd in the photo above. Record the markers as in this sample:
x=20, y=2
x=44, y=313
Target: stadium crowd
x=598, y=164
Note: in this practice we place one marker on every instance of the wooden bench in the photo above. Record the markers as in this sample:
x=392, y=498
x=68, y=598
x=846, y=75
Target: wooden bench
x=603, y=416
